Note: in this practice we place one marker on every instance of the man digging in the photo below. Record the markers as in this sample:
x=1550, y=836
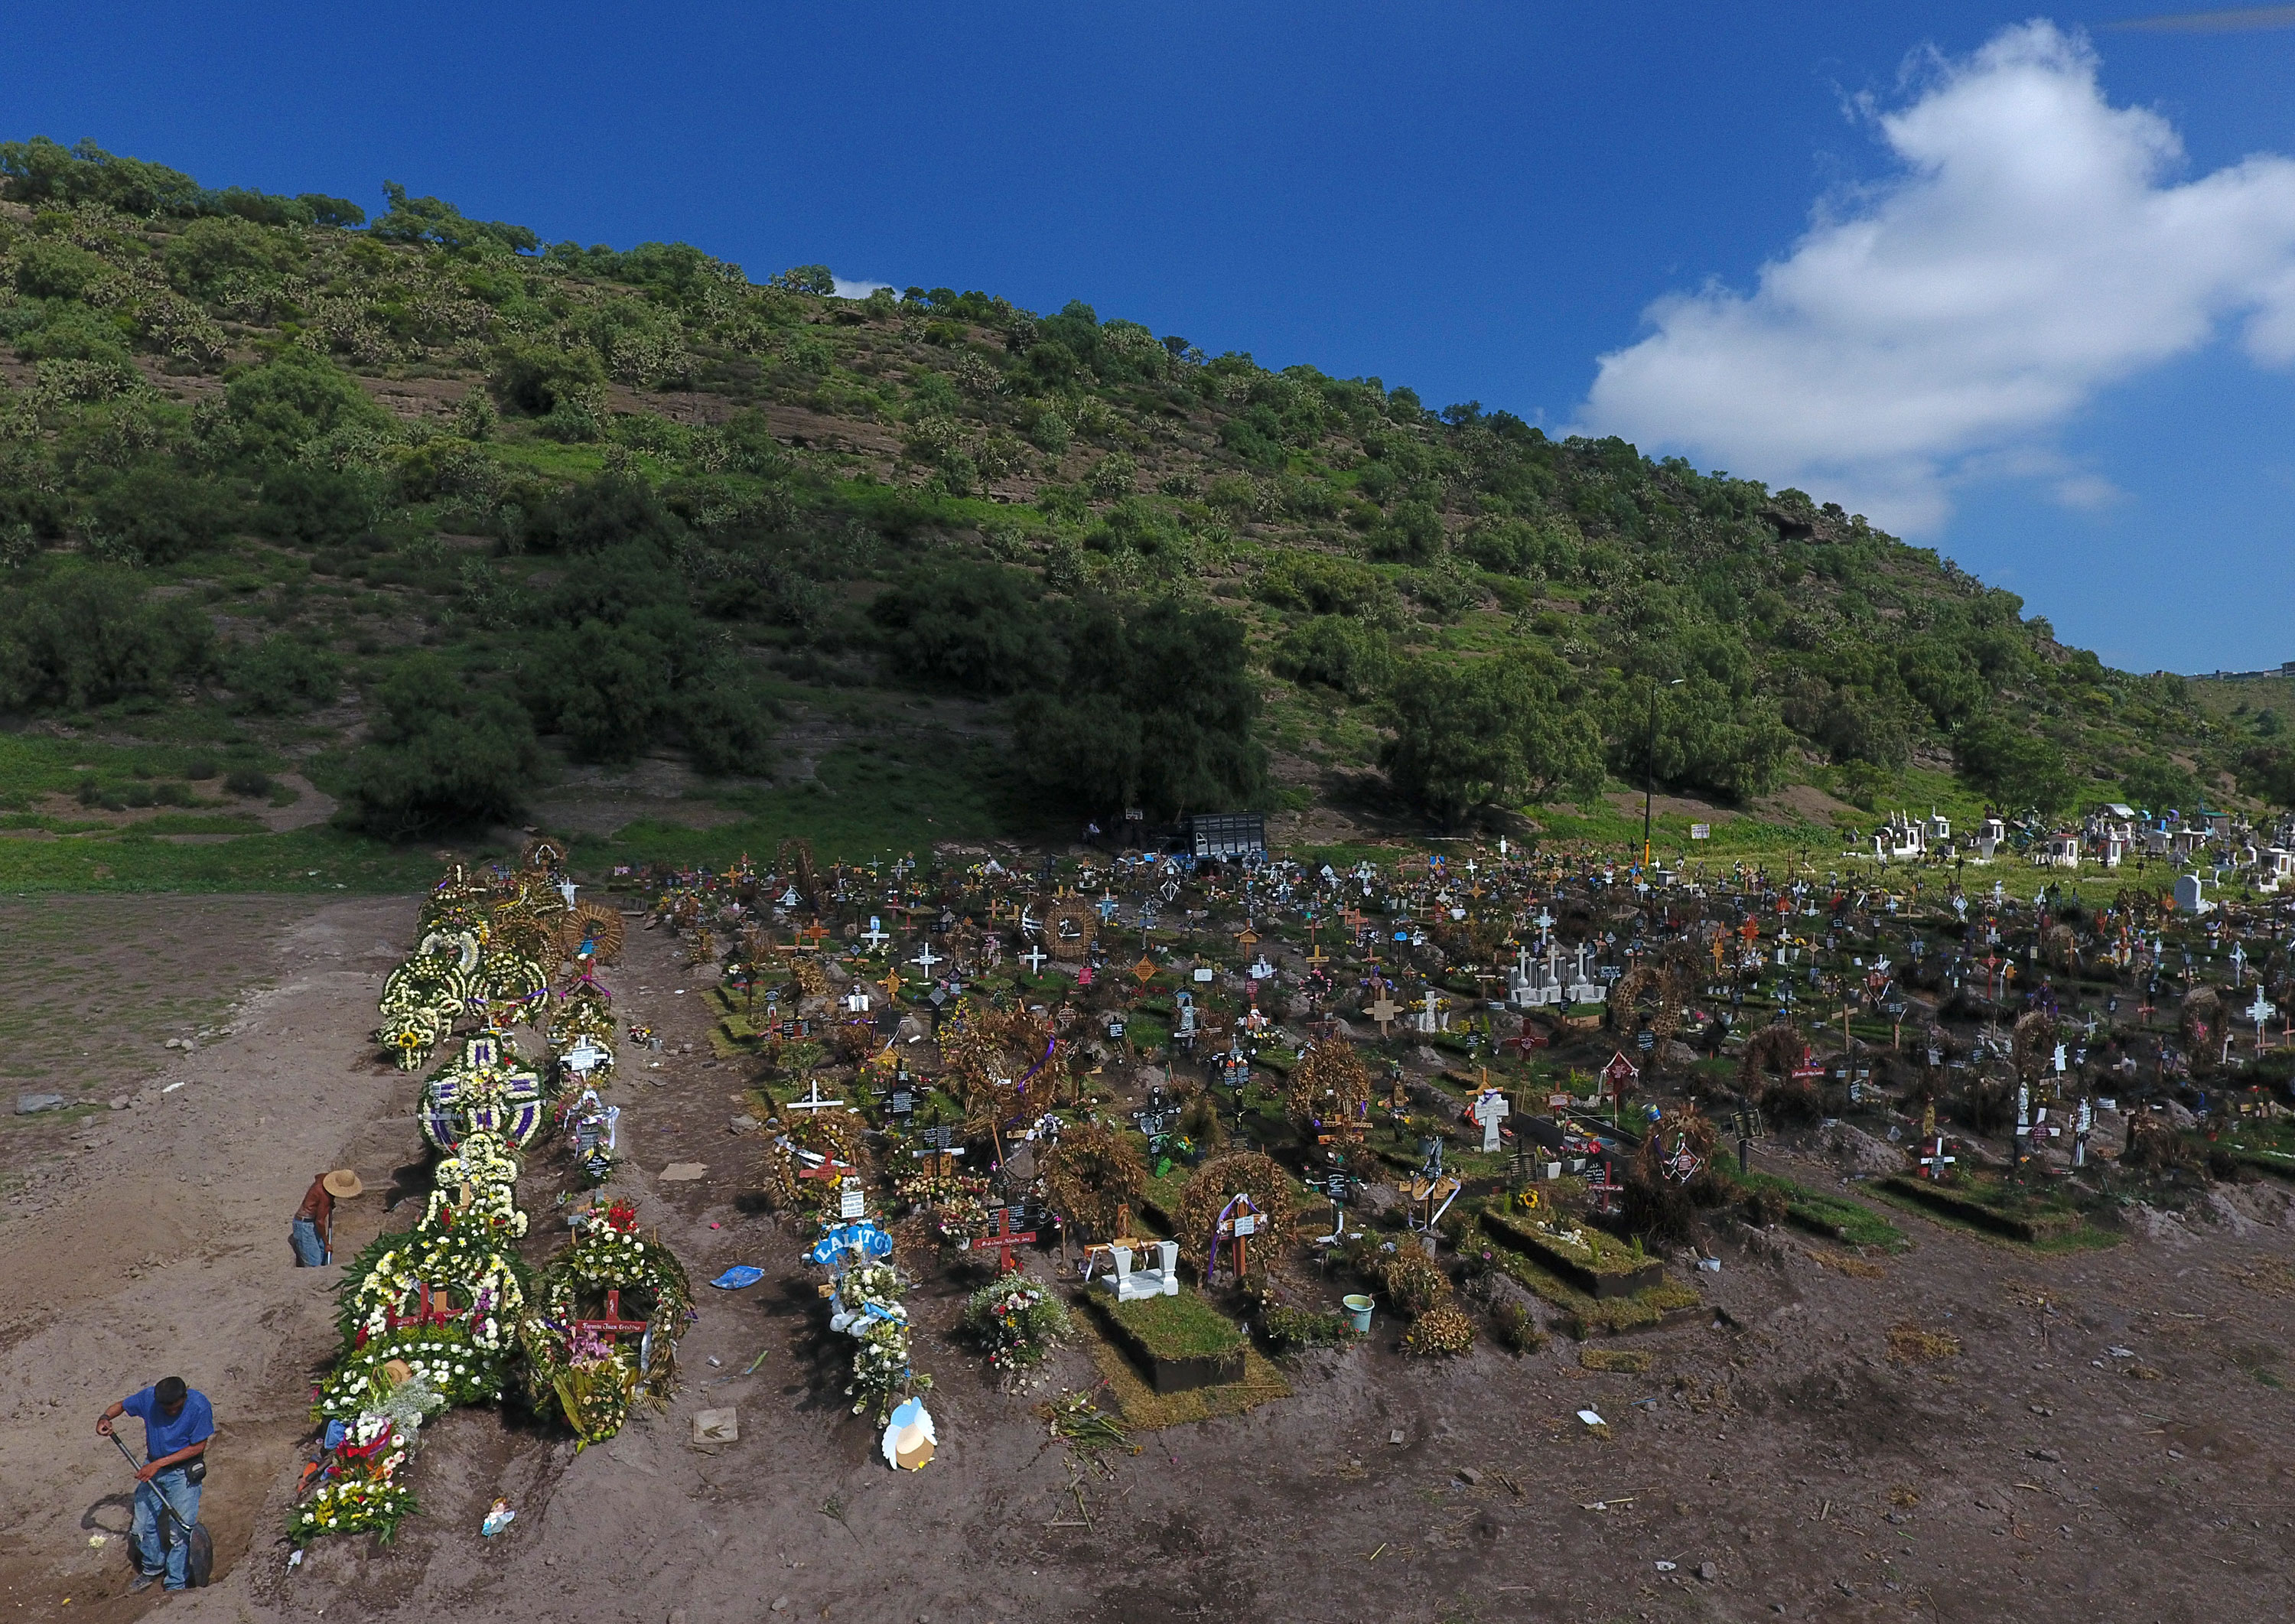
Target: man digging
x=312, y=1228
x=179, y=1422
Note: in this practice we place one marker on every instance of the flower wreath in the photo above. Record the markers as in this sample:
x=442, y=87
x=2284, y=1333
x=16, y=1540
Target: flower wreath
x=487, y=1286
x=352, y=1505
x=448, y=1356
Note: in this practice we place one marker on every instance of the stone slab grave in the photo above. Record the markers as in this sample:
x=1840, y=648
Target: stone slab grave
x=716, y=1426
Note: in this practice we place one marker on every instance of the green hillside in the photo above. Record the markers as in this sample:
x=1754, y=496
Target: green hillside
x=425, y=514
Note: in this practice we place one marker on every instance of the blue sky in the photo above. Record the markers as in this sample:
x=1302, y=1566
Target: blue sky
x=2025, y=292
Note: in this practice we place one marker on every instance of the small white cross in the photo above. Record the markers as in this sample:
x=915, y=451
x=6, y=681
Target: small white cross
x=1490, y=1109
x=926, y=959
x=812, y=1100
x=874, y=935
x=1034, y=960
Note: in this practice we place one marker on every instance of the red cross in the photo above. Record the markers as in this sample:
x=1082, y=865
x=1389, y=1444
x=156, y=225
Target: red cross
x=429, y=1310
x=611, y=1323
x=1003, y=1237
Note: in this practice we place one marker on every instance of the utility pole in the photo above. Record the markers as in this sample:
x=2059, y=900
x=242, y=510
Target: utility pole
x=1649, y=775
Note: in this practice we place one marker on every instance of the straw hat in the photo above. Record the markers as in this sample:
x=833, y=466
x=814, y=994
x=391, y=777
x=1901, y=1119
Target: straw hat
x=342, y=1184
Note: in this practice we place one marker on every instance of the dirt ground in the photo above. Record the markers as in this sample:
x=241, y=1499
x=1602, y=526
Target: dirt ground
x=1777, y=1456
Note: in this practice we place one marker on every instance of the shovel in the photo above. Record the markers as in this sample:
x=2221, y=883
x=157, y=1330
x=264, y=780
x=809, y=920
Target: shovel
x=199, y=1550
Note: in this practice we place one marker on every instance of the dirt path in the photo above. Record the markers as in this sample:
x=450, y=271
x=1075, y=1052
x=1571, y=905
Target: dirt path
x=2031, y=1474
x=165, y=1251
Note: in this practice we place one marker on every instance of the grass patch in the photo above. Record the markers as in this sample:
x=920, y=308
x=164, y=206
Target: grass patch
x=1621, y=1360
x=311, y=860
x=860, y=806
x=1832, y=1217
x=1144, y=1409
x=1909, y=1344
x=1180, y=1328
x=2048, y=1225
x=1583, y=1315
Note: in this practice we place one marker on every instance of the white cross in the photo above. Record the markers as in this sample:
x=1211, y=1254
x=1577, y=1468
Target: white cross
x=875, y=935
x=812, y=1100
x=926, y=959
x=1034, y=960
x=566, y=889
x=2262, y=1009
x=1490, y=1109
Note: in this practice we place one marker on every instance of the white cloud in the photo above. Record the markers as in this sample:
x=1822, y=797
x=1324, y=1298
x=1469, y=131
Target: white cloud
x=848, y=288
x=2030, y=251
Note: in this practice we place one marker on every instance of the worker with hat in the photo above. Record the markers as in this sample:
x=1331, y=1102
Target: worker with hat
x=313, y=1230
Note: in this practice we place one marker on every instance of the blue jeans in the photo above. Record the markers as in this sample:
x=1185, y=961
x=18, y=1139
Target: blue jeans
x=310, y=1250
x=172, y=1554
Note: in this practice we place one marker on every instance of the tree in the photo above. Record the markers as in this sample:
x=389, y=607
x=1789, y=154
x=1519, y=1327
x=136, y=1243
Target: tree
x=1337, y=652
x=295, y=399
x=980, y=627
x=2159, y=785
x=807, y=278
x=536, y=380
x=89, y=634
x=159, y=511
x=606, y=688
x=1156, y=710
x=727, y=724
x=205, y=252
x=281, y=676
x=442, y=753
x=1490, y=731
x=437, y=222
x=2022, y=771
x=49, y=269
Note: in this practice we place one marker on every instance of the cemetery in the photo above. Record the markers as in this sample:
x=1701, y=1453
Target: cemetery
x=922, y=1166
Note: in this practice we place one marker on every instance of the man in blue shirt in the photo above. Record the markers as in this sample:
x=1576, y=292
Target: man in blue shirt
x=179, y=1422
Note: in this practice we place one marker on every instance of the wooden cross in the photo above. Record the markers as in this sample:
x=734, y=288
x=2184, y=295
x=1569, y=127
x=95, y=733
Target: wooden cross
x=1236, y=1225
x=610, y=1324
x=940, y=1149
x=430, y=1308
x=1003, y=1237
